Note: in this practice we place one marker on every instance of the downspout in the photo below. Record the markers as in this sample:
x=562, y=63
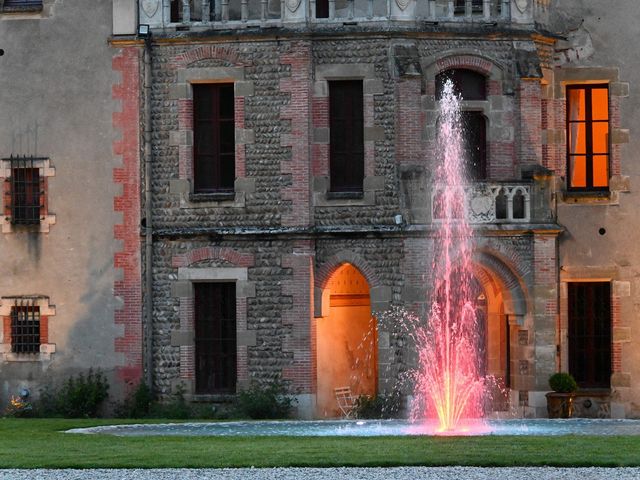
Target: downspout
x=148, y=222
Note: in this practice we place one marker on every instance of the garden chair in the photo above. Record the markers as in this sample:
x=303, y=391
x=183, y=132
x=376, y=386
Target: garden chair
x=346, y=401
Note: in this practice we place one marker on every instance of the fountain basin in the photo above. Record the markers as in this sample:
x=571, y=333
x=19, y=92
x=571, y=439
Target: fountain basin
x=372, y=428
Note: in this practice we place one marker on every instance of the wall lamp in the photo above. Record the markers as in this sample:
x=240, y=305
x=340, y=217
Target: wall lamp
x=144, y=31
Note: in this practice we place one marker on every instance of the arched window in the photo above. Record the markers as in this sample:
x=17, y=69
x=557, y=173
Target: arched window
x=469, y=85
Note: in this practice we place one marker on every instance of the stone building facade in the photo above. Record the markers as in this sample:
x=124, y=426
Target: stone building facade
x=230, y=245
x=310, y=262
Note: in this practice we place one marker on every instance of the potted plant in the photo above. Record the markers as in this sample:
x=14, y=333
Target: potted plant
x=560, y=400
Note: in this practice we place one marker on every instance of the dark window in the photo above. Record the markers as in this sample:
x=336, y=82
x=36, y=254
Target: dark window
x=476, y=6
x=468, y=84
x=26, y=186
x=25, y=328
x=22, y=5
x=195, y=11
x=214, y=138
x=215, y=319
x=475, y=142
x=588, y=137
x=347, y=136
x=322, y=8
x=590, y=333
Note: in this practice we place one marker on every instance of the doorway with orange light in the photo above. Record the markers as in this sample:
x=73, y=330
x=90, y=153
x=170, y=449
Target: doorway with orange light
x=346, y=340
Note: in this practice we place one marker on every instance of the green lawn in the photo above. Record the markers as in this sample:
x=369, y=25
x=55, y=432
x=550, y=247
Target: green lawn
x=30, y=443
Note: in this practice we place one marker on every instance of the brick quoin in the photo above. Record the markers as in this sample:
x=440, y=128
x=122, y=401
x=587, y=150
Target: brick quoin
x=530, y=122
x=300, y=372
x=409, y=144
x=298, y=86
x=129, y=287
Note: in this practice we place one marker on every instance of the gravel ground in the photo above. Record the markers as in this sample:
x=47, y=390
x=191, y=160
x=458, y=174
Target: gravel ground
x=402, y=473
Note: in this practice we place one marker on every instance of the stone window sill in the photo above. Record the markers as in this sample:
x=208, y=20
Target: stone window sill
x=345, y=195
x=589, y=197
x=212, y=197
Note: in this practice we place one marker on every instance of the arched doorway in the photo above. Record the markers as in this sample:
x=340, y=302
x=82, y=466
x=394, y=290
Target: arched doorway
x=490, y=300
x=346, y=340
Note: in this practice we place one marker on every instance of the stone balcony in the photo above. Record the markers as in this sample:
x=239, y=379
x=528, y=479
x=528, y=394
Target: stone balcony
x=488, y=203
x=201, y=15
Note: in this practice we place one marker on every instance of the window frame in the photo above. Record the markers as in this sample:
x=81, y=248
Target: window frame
x=26, y=192
x=476, y=92
x=221, y=345
x=346, y=154
x=9, y=222
x=25, y=328
x=215, y=185
x=582, y=351
x=9, y=352
x=589, y=153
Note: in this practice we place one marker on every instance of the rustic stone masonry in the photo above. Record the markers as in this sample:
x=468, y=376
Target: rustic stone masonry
x=284, y=236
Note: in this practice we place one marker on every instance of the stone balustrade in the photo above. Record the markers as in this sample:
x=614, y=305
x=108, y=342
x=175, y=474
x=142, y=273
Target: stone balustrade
x=489, y=202
x=235, y=14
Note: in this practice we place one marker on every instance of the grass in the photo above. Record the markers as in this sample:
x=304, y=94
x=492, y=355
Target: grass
x=41, y=443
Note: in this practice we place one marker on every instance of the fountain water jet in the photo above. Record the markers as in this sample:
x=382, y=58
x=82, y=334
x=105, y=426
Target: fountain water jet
x=449, y=381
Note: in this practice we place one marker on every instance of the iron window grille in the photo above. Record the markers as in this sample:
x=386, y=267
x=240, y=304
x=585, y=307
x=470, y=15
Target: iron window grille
x=25, y=326
x=26, y=190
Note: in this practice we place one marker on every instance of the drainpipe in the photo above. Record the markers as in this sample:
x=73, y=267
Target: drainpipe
x=148, y=223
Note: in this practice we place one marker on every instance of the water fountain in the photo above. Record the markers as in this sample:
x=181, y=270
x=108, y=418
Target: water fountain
x=449, y=381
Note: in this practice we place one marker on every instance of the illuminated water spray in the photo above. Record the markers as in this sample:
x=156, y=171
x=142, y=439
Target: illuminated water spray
x=449, y=379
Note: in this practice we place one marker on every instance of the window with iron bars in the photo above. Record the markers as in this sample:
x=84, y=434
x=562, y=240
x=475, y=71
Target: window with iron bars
x=25, y=326
x=26, y=191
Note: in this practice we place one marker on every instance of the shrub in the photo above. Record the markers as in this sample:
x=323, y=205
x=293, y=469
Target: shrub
x=81, y=396
x=177, y=408
x=562, y=383
x=379, y=406
x=137, y=404
x=264, y=402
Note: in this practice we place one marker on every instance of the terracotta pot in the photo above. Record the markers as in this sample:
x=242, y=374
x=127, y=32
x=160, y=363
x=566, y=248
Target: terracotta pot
x=560, y=405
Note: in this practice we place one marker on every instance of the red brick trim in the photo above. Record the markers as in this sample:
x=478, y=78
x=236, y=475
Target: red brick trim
x=616, y=346
x=298, y=87
x=299, y=287
x=213, y=253
x=206, y=52
x=129, y=288
x=470, y=62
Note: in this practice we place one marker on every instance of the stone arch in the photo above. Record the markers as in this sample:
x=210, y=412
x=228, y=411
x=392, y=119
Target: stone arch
x=345, y=340
x=489, y=268
x=225, y=254
x=380, y=294
x=323, y=274
x=469, y=60
x=206, y=52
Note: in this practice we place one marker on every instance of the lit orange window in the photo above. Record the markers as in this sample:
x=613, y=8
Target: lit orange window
x=588, y=137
